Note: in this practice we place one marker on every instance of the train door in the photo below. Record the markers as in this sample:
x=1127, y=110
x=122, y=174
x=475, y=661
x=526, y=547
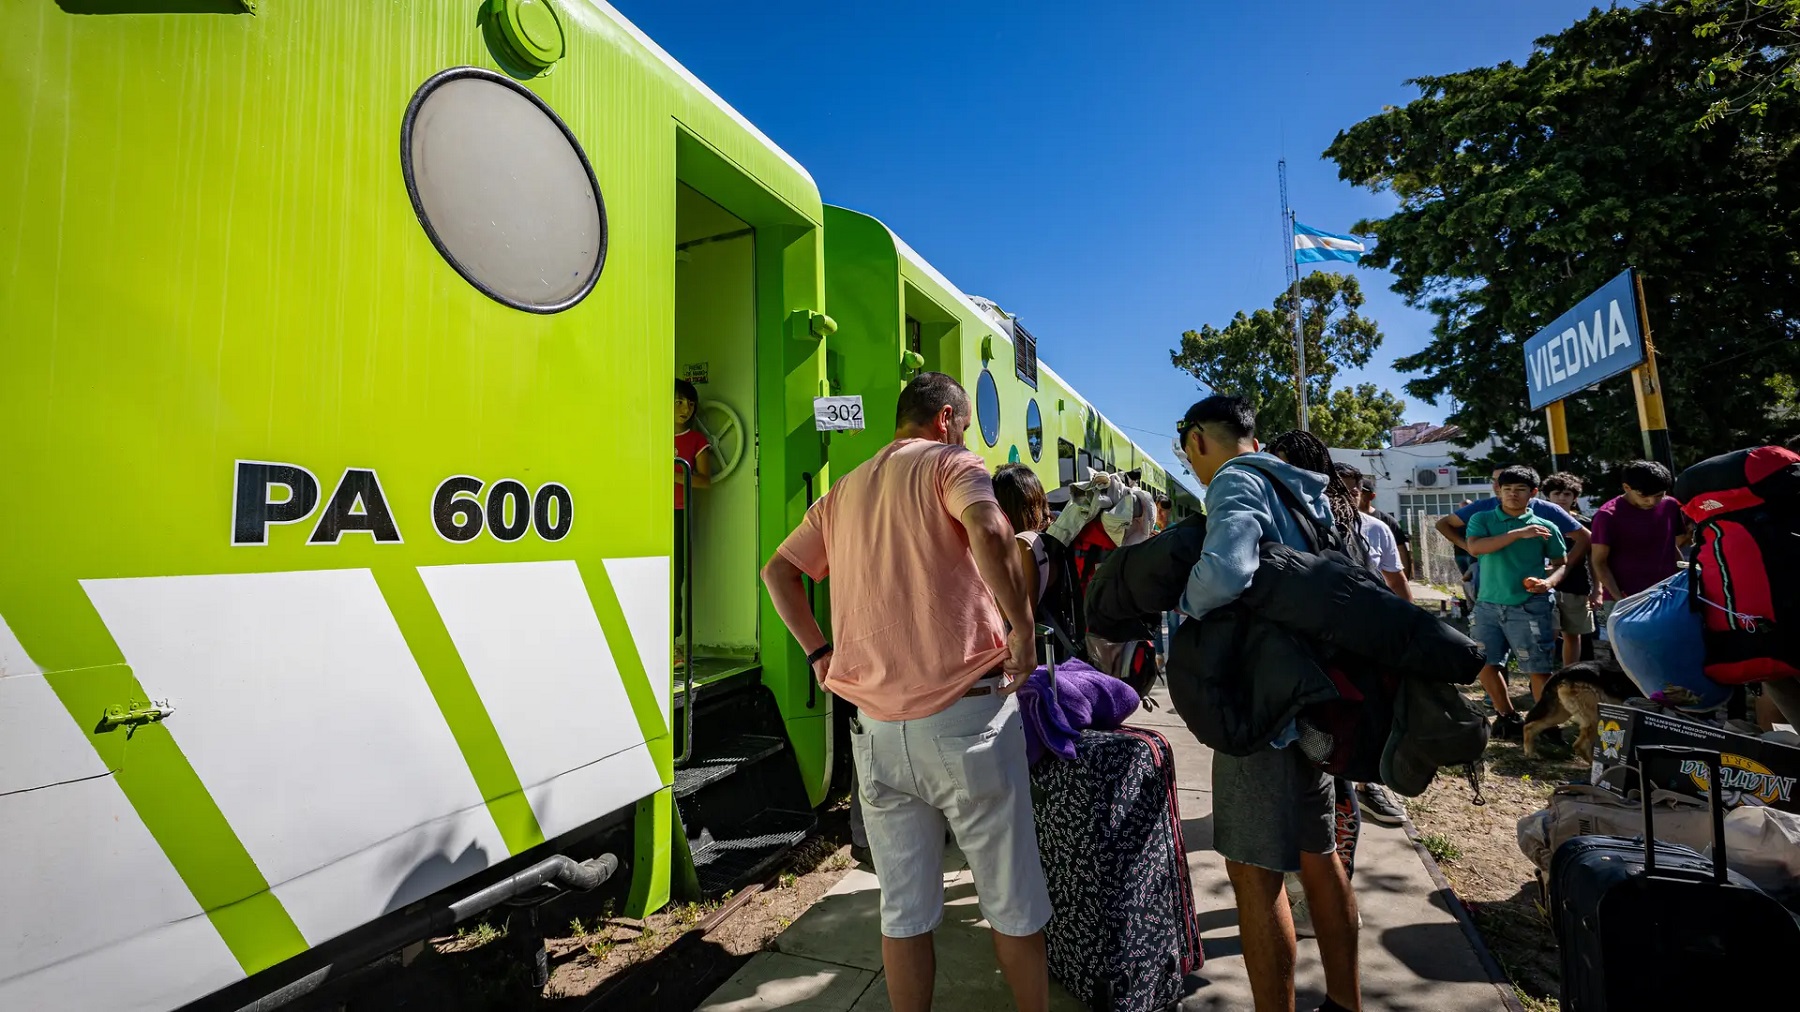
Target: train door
x=747, y=751
x=716, y=613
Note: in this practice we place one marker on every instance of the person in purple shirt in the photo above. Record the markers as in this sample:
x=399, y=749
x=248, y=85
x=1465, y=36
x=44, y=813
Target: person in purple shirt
x=1638, y=536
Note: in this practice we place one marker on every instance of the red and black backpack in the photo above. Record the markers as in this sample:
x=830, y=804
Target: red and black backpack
x=1063, y=608
x=1744, y=566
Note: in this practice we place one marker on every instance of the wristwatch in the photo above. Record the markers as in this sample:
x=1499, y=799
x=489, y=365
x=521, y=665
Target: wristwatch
x=818, y=655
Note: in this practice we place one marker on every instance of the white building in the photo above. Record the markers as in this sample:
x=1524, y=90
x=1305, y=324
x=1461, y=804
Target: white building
x=1417, y=475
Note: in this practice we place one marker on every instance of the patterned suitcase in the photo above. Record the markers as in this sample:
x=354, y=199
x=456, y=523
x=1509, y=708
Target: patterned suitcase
x=1123, y=933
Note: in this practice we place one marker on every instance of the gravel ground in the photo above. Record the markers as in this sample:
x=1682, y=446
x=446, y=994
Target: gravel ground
x=602, y=963
x=1477, y=847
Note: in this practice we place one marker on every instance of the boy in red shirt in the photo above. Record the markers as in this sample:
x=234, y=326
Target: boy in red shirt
x=691, y=445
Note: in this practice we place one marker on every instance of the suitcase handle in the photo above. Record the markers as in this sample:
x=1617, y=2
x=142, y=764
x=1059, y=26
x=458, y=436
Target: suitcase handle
x=1647, y=790
x=1044, y=633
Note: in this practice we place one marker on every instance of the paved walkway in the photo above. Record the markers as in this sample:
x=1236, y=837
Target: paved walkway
x=1415, y=955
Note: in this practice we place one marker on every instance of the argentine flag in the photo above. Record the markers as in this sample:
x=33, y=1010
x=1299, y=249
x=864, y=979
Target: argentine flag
x=1312, y=246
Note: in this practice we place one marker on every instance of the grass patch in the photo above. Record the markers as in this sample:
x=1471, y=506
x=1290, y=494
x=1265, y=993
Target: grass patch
x=788, y=879
x=481, y=934
x=1440, y=847
x=1534, y=1004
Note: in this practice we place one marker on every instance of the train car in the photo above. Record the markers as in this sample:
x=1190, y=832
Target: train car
x=897, y=314
x=338, y=343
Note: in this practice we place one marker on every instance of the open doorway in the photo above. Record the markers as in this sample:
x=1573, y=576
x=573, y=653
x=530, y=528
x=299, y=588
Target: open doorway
x=715, y=350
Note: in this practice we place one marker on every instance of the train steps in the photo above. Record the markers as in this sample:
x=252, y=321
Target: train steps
x=742, y=804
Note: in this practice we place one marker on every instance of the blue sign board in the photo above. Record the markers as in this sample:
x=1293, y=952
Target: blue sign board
x=1598, y=339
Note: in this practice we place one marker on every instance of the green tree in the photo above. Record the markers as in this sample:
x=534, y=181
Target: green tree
x=1524, y=188
x=1253, y=356
x=1744, y=55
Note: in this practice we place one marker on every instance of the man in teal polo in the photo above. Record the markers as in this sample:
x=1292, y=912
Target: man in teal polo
x=1513, y=611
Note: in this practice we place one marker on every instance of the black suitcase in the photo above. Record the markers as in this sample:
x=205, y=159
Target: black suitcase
x=1122, y=936
x=1652, y=925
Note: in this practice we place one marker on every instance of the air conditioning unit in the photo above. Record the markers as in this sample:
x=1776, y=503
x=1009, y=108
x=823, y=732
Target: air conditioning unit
x=1435, y=477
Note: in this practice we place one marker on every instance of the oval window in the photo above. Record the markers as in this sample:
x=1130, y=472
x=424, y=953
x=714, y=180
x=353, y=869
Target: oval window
x=1034, y=430
x=987, y=407
x=503, y=190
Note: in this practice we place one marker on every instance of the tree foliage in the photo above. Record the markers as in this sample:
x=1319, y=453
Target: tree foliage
x=1744, y=30
x=1253, y=356
x=1524, y=188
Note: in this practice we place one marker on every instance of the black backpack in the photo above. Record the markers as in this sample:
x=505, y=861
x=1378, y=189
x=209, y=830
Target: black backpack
x=1063, y=607
x=1354, y=736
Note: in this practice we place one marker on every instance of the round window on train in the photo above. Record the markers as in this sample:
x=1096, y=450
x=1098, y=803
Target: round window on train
x=503, y=190
x=987, y=407
x=1034, y=430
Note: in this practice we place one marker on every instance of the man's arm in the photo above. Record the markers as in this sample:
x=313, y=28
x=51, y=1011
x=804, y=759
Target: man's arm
x=991, y=542
x=1451, y=527
x=786, y=589
x=1603, y=573
x=1234, y=510
x=1579, y=542
x=1556, y=574
x=1489, y=544
x=1397, y=583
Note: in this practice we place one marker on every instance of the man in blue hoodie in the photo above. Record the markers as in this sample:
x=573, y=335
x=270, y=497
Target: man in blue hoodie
x=1272, y=809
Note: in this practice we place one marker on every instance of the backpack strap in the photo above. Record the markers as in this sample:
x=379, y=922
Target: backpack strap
x=1317, y=539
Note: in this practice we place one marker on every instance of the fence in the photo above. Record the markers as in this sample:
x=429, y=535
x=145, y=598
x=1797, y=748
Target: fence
x=1434, y=558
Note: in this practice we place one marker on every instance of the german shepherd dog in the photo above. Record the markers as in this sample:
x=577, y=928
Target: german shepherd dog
x=1577, y=691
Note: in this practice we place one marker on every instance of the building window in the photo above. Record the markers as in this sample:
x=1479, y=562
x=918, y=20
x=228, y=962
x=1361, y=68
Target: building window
x=1025, y=355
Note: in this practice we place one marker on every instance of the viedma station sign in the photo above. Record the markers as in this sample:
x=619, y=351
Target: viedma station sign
x=1606, y=334
x=1596, y=340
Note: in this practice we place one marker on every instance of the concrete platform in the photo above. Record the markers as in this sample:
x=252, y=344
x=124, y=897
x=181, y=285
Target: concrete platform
x=1415, y=955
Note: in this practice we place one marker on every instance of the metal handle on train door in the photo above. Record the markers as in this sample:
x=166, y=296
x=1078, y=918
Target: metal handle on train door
x=812, y=604
x=687, y=611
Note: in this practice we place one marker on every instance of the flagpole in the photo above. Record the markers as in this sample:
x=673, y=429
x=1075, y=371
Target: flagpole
x=1293, y=273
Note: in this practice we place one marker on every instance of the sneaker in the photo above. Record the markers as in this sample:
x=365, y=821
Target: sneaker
x=1303, y=926
x=1380, y=806
x=1507, y=727
x=1302, y=913
x=862, y=856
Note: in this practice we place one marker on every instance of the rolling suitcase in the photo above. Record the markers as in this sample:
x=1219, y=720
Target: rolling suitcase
x=1123, y=934
x=1650, y=925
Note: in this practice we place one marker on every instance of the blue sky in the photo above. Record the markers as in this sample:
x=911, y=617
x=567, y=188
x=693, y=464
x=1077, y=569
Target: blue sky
x=1106, y=174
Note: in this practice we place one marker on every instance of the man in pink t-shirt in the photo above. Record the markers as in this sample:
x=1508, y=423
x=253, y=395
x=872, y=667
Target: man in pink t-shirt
x=934, y=635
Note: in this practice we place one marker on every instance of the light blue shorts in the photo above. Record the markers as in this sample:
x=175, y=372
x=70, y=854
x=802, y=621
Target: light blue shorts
x=1527, y=630
x=964, y=766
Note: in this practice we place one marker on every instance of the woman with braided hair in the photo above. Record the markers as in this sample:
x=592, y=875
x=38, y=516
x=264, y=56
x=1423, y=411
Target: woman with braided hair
x=1305, y=450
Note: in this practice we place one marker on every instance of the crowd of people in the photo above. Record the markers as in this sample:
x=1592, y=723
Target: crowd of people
x=939, y=572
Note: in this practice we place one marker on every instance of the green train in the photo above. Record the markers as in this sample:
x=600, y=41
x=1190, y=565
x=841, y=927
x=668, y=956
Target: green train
x=336, y=606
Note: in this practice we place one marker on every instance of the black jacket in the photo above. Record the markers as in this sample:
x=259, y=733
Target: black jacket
x=1238, y=676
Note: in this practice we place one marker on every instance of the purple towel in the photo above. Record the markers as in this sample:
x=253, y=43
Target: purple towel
x=1082, y=698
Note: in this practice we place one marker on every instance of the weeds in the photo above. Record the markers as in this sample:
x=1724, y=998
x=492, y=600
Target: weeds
x=1440, y=846
x=782, y=923
x=647, y=941
x=840, y=861
x=577, y=929
x=481, y=934
x=600, y=948
x=1533, y=1004
x=788, y=879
